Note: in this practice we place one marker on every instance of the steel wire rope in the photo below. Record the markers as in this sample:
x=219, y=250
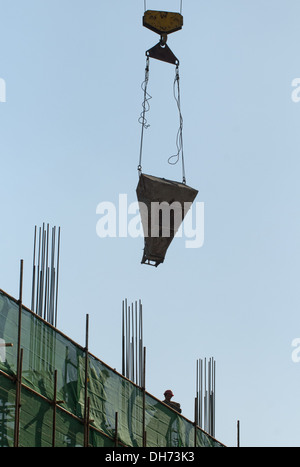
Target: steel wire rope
x=179, y=137
x=145, y=6
x=146, y=107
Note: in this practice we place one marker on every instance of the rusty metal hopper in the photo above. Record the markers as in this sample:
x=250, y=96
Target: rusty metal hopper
x=163, y=205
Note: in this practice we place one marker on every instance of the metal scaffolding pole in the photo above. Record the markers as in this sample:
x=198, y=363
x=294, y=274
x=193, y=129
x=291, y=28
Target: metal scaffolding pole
x=86, y=399
x=116, y=429
x=55, y=402
x=144, y=399
x=19, y=363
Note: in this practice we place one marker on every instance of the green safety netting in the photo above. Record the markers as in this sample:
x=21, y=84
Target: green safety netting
x=46, y=350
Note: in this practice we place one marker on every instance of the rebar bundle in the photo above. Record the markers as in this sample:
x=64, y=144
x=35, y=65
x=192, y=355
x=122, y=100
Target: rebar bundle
x=205, y=402
x=133, y=351
x=45, y=273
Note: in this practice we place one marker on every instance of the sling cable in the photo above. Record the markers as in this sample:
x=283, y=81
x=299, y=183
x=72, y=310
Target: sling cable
x=163, y=203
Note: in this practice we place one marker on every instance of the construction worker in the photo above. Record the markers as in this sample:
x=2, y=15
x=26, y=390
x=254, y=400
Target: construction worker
x=168, y=396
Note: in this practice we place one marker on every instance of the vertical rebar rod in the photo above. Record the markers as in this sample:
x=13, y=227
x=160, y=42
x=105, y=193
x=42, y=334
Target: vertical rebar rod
x=20, y=307
x=116, y=429
x=202, y=396
x=142, y=363
x=128, y=341
x=19, y=362
x=46, y=273
x=196, y=421
x=238, y=433
x=52, y=278
x=209, y=398
x=42, y=272
x=123, y=340
x=54, y=409
x=140, y=382
x=197, y=395
x=214, y=401
x=133, y=378
x=126, y=337
x=18, y=401
x=38, y=273
x=144, y=367
x=205, y=395
x=86, y=421
x=136, y=347
x=144, y=397
x=57, y=275
x=33, y=272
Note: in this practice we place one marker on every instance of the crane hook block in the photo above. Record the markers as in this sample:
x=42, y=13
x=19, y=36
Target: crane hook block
x=162, y=22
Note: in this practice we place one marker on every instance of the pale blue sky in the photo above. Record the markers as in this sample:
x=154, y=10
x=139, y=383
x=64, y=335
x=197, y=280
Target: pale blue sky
x=69, y=139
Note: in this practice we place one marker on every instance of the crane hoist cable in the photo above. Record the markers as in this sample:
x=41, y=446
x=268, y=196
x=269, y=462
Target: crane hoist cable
x=145, y=6
x=162, y=23
x=146, y=108
x=179, y=139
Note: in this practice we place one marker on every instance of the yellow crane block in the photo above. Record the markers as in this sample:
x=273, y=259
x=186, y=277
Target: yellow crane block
x=162, y=22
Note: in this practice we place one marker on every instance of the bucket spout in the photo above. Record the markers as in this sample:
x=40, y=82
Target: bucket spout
x=163, y=205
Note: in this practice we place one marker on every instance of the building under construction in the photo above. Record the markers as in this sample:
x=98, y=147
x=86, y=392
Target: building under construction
x=55, y=393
